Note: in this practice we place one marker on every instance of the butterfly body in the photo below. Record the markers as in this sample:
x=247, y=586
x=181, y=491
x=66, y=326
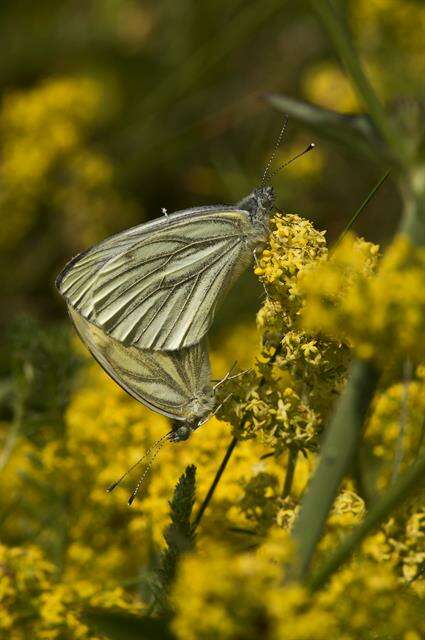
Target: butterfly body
x=157, y=286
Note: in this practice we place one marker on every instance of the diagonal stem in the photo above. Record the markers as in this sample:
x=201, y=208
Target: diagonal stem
x=214, y=483
x=361, y=208
x=335, y=24
x=410, y=481
x=224, y=462
x=290, y=472
x=404, y=414
x=338, y=450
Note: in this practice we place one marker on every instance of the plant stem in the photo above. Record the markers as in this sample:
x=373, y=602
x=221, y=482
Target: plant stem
x=410, y=481
x=412, y=188
x=404, y=414
x=339, y=33
x=337, y=453
x=214, y=483
x=290, y=471
x=360, y=209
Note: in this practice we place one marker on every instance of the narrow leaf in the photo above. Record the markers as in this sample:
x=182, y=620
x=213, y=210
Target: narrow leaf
x=337, y=452
x=361, y=208
x=411, y=481
x=356, y=132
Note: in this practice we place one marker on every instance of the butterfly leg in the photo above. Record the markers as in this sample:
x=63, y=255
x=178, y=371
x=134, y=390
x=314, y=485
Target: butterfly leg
x=238, y=375
x=226, y=377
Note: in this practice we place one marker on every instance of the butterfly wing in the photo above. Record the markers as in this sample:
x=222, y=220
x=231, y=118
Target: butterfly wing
x=166, y=382
x=159, y=289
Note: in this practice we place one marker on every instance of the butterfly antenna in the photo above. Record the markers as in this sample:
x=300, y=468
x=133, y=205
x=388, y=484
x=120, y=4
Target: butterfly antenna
x=226, y=377
x=148, y=468
x=156, y=444
x=310, y=147
x=274, y=152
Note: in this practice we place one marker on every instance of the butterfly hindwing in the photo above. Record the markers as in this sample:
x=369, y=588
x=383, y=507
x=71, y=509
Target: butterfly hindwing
x=166, y=382
x=157, y=285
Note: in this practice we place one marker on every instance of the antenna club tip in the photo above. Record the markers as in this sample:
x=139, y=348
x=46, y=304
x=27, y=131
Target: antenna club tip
x=111, y=487
x=131, y=500
x=312, y=145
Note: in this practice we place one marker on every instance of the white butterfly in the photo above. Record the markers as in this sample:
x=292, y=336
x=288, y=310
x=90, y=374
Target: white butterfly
x=157, y=286
x=176, y=384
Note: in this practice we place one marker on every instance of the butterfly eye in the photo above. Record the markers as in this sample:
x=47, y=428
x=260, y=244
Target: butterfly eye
x=182, y=433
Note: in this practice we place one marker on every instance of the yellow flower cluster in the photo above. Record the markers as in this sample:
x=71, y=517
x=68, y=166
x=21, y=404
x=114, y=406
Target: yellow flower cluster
x=394, y=434
x=234, y=585
x=246, y=596
x=381, y=316
x=293, y=243
x=286, y=397
x=326, y=85
x=33, y=604
x=401, y=542
x=396, y=424
x=46, y=160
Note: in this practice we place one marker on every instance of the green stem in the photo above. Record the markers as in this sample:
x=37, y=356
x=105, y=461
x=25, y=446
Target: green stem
x=404, y=414
x=412, y=188
x=337, y=453
x=339, y=33
x=361, y=208
x=379, y=512
x=290, y=472
x=214, y=483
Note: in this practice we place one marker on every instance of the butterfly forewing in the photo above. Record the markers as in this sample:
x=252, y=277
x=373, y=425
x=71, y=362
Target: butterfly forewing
x=157, y=286
x=166, y=382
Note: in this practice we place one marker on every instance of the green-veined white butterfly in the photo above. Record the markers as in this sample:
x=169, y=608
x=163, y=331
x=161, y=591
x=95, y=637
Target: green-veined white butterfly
x=157, y=285
x=176, y=384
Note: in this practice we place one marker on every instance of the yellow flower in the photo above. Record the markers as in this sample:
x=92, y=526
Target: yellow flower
x=381, y=315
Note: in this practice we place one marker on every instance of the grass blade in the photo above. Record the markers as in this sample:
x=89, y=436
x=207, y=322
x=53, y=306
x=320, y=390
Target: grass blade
x=337, y=452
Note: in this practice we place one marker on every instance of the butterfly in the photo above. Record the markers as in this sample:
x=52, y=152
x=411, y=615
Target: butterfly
x=157, y=286
x=176, y=384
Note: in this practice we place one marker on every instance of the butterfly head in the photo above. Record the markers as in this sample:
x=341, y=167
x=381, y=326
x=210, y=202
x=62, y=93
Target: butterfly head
x=264, y=198
x=182, y=433
x=259, y=203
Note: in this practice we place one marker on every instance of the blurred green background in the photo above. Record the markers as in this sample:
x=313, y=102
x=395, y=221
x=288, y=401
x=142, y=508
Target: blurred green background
x=113, y=109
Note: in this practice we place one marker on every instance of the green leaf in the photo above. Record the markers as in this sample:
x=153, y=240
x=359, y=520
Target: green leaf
x=120, y=625
x=355, y=132
x=337, y=453
x=412, y=480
